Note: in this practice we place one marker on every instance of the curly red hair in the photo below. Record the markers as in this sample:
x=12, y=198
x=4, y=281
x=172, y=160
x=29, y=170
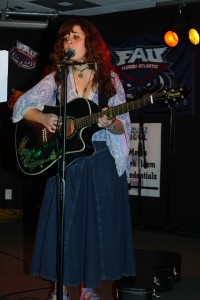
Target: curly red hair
x=96, y=49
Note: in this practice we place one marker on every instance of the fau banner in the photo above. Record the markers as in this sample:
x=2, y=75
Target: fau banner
x=145, y=66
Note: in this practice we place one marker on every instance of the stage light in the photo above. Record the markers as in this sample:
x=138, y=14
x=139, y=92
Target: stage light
x=193, y=36
x=7, y=22
x=182, y=33
x=176, y=35
x=171, y=38
x=22, y=24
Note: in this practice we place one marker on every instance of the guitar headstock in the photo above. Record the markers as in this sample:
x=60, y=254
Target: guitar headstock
x=172, y=96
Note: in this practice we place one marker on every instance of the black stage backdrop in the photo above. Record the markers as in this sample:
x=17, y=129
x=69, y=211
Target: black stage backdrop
x=178, y=207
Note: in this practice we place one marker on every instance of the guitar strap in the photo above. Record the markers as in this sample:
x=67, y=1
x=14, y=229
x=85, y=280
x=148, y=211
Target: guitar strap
x=57, y=100
x=103, y=100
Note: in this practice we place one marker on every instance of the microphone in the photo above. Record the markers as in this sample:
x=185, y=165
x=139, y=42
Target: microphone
x=70, y=52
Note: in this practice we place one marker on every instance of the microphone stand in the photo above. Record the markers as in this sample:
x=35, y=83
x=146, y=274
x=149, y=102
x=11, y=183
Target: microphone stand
x=64, y=66
x=141, y=151
x=61, y=181
x=139, y=177
x=171, y=151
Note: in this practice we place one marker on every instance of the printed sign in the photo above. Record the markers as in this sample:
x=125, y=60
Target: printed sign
x=3, y=75
x=145, y=159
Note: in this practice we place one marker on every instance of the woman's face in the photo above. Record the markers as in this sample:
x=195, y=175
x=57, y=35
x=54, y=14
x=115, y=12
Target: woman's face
x=76, y=39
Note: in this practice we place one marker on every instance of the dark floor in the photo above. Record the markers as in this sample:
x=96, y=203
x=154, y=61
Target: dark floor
x=15, y=253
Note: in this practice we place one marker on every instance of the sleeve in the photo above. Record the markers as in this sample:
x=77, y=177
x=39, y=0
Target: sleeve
x=43, y=93
x=120, y=98
x=119, y=145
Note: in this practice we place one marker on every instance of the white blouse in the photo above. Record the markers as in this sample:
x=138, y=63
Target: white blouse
x=46, y=92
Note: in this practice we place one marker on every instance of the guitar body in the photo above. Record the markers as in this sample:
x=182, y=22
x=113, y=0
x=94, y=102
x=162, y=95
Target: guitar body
x=37, y=149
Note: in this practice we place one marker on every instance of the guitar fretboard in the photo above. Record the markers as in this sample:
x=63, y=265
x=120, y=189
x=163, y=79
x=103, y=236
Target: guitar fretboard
x=118, y=110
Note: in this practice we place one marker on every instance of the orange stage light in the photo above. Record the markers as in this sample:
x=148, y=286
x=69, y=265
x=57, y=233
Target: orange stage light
x=171, y=38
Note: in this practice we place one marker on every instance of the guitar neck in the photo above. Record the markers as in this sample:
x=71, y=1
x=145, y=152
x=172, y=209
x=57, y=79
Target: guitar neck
x=117, y=110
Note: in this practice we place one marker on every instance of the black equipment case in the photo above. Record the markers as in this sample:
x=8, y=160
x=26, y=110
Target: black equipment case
x=156, y=271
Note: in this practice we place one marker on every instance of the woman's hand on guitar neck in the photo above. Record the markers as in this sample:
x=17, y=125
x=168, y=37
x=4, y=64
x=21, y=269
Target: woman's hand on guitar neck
x=111, y=124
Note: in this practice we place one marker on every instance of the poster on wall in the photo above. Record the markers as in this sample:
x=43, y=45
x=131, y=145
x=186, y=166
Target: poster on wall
x=3, y=75
x=145, y=159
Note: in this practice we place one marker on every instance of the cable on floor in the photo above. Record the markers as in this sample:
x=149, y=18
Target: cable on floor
x=10, y=214
x=22, y=292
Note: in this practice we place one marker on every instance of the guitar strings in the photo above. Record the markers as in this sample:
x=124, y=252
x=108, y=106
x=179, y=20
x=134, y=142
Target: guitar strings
x=117, y=110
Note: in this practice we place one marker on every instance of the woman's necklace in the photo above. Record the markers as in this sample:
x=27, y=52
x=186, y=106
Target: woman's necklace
x=85, y=89
x=80, y=75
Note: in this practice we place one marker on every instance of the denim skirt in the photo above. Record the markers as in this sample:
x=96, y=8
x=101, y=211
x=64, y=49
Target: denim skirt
x=97, y=229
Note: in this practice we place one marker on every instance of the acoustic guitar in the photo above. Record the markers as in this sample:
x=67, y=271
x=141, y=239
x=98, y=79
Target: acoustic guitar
x=37, y=149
